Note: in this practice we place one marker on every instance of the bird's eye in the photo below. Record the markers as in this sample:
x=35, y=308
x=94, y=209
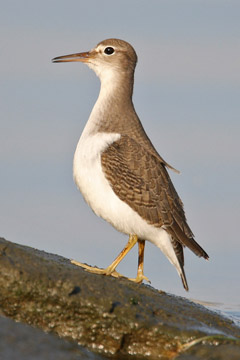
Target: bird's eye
x=109, y=50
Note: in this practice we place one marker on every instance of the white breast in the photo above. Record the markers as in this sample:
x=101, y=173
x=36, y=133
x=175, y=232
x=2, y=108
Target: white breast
x=96, y=189
x=87, y=170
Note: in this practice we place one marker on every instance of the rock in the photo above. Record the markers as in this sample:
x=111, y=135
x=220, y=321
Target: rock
x=23, y=342
x=109, y=316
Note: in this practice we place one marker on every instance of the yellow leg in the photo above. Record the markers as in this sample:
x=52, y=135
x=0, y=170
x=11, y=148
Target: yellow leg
x=140, y=277
x=110, y=270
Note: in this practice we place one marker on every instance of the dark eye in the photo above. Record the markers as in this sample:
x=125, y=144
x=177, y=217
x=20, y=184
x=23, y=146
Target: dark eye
x=109, y=50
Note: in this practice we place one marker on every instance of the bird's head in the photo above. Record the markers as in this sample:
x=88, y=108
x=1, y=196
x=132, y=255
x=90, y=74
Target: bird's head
x=109, y=56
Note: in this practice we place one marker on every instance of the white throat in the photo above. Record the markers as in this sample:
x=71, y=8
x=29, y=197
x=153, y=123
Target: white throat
x=109, y=84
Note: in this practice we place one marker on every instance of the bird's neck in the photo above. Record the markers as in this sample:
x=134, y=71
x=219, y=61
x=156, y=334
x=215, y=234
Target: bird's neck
x=117, y=87
x=114, y=104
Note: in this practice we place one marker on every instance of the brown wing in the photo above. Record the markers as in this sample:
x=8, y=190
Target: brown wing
x=142, y=181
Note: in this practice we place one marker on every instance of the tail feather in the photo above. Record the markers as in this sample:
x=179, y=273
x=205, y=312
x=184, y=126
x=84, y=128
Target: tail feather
x=178, y=249
x=186, y=240
x=184, y=280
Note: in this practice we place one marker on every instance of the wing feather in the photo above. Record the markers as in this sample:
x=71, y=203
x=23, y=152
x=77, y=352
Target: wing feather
x=138, y=178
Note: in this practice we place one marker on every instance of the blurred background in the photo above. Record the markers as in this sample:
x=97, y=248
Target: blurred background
x=187, y=97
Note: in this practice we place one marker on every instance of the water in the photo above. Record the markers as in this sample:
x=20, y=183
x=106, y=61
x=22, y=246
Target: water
x=231, y=311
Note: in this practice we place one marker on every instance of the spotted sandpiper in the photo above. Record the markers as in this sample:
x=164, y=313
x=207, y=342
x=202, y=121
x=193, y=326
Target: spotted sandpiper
x=119, y=172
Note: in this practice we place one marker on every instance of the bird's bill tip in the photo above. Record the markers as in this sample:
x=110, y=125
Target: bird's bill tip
x=82, y=57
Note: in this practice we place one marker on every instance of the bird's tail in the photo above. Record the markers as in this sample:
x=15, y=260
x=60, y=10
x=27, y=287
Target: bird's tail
x=178, y=249
x=173, y=250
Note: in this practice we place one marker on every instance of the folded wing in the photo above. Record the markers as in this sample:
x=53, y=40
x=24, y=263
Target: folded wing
x=138, y=178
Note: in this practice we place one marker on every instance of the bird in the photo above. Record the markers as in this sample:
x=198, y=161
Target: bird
x=119, y=172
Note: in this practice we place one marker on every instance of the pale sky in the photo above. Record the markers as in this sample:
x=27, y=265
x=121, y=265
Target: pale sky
x=187, y=96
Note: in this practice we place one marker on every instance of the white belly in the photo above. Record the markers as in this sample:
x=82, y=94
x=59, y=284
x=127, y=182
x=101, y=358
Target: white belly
x=98, y=193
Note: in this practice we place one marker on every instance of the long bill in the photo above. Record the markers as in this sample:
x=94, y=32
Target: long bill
x=83, y=57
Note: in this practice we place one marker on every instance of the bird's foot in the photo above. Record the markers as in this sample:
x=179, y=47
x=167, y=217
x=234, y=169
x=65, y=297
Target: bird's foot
x=110, y=270
x=95, y=270
x=139, y=279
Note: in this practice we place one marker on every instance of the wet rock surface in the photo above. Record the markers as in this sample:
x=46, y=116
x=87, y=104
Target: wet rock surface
x=112, y=317
x=19, y=341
